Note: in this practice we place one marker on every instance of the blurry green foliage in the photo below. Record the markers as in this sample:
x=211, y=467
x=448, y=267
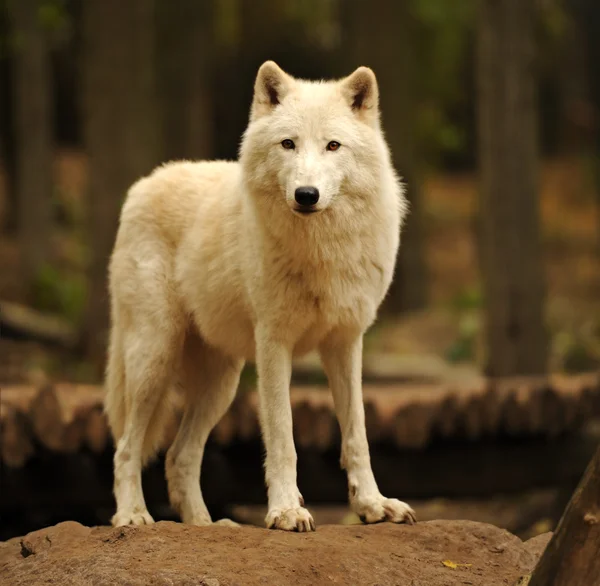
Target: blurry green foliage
x=248, y=378
x=444, y=72
x=68, y=211
x=579, y=358
x=444, y=31
x=464, y=348
x=53, y=14
x=227, y=22
x=467, y=304
x=468, y=299
x=554, y=20
x=443, y=38
x=80, y=371
x=577, y=349
x=57, y=292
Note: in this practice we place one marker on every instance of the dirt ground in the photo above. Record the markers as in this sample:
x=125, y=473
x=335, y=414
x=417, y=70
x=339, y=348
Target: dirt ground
x=434, y=553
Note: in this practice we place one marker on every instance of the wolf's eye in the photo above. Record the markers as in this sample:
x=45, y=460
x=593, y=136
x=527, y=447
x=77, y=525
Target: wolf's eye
x=288, y=144
x=334, y=145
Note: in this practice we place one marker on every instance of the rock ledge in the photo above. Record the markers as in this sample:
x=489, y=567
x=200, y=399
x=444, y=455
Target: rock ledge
x=173, y=554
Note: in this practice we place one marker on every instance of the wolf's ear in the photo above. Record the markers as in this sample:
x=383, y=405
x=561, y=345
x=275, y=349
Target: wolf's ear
x=270, y=87
x=361, y=91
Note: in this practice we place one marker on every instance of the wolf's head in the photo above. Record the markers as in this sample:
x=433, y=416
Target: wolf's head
x=313, y=145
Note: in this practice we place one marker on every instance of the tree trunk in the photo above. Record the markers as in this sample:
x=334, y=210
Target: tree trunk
x=511, y=258
x=384, y=43
x=576, y=108
x=262, y=22
x=8, y=221
x=572, y=557
x=589, y=27
x=185, y=52
x=230, y=110
x=120, y=133
x=33, y=134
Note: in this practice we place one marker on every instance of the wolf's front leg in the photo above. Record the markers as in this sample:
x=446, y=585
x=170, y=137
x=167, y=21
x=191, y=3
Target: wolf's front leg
x=341, y=354
x=274, y=366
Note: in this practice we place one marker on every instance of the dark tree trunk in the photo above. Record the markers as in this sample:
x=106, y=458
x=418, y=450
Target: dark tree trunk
x=384, y=43
x=262, y=22
x=120, y=133
x=33, y=134
x=511, y=258
x=573, y=76
x=572, y=557
x=588, y=14
x=7, y=143
x=185, y=53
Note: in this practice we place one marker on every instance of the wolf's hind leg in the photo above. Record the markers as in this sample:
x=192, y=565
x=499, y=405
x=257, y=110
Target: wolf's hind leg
x=151, y=351
x=210, y=380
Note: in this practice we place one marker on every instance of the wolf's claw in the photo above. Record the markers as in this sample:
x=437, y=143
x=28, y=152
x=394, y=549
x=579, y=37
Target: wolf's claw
x=298, y=519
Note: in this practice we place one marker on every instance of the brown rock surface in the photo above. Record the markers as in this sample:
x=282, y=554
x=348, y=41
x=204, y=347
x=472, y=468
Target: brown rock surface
x=174, y=554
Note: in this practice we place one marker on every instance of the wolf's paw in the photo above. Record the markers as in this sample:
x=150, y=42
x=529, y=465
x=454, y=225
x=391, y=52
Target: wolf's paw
x=298, y=519
x=130, y=518
x=382, y=509
x=226, y=523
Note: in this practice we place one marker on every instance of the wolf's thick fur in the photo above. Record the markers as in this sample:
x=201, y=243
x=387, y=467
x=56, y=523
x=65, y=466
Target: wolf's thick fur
x=215, y=264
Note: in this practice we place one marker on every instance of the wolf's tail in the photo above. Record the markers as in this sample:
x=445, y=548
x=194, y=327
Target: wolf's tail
x=117, y=402
x=114, y=386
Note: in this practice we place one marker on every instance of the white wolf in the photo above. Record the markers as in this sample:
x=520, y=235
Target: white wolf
x=289, y=250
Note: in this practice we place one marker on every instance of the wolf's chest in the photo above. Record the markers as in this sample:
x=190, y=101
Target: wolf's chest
x=333, y=293
x=327, y=304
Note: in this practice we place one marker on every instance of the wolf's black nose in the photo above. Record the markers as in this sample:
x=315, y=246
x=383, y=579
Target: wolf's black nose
x=307, y=196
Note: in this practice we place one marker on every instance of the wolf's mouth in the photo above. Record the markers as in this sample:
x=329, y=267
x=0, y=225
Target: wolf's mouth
x=306, y=211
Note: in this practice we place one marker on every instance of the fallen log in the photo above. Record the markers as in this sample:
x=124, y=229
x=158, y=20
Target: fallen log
x=63, y=417
x=412, y=428
x=15, y=437
x=24, y=323
x=59, y=415
x=572, y=557
x=96, y=432
x=46, y=418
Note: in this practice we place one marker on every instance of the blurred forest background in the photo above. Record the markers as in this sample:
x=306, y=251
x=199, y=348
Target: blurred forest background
x=492, y=111
x=491, y=107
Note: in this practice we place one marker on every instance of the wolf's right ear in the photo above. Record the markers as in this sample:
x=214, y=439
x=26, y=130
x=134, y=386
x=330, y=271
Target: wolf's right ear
x=271, y=86
x=362, y=94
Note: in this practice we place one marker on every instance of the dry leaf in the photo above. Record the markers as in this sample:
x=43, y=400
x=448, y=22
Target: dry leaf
x=351, y=519
x=454, y=565
x=542, y=526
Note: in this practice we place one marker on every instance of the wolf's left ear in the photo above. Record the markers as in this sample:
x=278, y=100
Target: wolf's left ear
x=361, y=91
x=270, y=87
